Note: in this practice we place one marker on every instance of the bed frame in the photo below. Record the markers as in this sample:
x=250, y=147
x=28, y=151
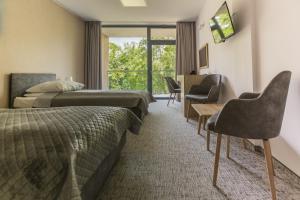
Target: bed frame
x=20, y=82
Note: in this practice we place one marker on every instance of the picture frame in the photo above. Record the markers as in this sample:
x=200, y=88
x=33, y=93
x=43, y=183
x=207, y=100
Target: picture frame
x=204, y=57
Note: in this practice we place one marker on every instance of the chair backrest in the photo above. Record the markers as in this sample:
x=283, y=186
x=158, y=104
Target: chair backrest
x=208, y=82
x=172, y=85
x=257, y=118
x=273, y=101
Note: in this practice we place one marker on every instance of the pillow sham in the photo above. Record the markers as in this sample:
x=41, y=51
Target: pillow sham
x=55, y=86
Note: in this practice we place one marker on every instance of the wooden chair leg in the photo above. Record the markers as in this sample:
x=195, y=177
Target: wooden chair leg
x=217, y=159
x=228, y=147
x=208, y=140
x=273, y=168
x=199, y=124
x=188, y=111
x=169, y=99
x=269, y=164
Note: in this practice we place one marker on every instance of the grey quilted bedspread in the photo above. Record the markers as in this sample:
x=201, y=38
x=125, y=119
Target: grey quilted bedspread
x=51, y=153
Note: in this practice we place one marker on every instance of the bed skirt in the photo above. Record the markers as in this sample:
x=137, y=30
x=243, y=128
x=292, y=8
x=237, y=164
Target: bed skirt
x=92, y=188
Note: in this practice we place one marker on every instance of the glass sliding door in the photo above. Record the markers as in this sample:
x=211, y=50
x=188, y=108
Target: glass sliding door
x=138, y=58
x=163, y=53
x=163, y=64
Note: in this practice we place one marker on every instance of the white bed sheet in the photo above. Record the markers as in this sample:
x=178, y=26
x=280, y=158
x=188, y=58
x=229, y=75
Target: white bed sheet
x=24, y=102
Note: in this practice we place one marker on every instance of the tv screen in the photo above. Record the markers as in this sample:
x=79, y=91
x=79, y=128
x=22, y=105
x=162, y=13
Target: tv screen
x=221, y=25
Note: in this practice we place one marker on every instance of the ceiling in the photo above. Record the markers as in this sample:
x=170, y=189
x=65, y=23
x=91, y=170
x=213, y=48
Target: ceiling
x=113, y=12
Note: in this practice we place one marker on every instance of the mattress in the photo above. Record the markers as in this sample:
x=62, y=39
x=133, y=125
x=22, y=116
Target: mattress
x=24, y=102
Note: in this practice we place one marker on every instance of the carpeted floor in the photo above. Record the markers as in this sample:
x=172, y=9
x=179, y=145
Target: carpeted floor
x=168, y=160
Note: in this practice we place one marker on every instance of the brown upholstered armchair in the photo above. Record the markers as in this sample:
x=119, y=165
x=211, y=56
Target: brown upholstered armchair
x=207, y=92
x=253, y=116
x=173, y=88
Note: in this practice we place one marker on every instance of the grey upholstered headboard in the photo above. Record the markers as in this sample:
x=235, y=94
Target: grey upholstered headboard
x=20, y=82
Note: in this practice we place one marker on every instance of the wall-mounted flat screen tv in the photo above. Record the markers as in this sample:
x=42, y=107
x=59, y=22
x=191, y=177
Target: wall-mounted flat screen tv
x=221, y=25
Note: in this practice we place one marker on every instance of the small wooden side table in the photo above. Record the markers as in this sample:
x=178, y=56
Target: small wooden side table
x=205, y=111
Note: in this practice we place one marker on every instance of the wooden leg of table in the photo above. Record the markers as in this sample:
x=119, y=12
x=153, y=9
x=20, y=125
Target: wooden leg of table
x=188, y=111
x=228, y=147
x=199, y=124
x=204, y=122
x=217, y=159
x=169, y=99
x=208, y=140
x=269, y=163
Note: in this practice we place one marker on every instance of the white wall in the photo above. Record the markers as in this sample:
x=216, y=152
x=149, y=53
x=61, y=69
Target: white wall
x=233, y=59
x=277, y=45
x=266, y=43
x=39, y=37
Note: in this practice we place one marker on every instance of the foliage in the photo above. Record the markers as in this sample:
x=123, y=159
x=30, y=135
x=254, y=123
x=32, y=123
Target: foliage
x=128, y=66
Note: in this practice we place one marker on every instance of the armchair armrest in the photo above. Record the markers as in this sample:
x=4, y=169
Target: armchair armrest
x=249, y=95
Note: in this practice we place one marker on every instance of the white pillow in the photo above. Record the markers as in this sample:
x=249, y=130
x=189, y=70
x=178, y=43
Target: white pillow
x=55, y=86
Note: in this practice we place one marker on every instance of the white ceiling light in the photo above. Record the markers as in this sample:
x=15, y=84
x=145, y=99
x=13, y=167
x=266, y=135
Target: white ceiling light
x=134, y=3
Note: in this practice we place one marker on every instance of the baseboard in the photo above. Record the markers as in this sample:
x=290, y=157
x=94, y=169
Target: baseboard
x=259, y=150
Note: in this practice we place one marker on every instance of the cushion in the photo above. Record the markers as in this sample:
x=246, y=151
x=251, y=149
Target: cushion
x=55, y=86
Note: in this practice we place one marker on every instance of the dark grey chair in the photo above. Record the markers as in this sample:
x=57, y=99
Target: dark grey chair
x=173, y=88
x=207, y=92
x=253, y=116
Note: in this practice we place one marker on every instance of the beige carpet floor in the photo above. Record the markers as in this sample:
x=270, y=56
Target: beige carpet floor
x=168, y=160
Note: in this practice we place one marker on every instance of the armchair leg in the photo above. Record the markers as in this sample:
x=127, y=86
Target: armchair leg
x=217, y=159
x=208, y=140
x=273, y=168
x=199, y=124
x=188, y=111
x=228, y=147
x=169, y=99
x=174, y=97
x=269, y=162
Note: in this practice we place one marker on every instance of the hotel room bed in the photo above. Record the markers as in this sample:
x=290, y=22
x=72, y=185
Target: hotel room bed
x=137, y=101
x=60, y=153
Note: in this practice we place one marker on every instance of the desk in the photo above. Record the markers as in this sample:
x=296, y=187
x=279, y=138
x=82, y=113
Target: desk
x=186, y=82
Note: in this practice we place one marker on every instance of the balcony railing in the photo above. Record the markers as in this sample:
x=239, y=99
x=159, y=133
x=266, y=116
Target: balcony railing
x=137, y=80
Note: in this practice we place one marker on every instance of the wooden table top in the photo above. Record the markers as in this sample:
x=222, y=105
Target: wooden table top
x=207, y=109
